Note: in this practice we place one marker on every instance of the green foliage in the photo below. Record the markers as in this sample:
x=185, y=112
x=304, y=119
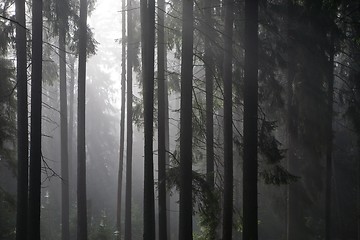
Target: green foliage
x=204, y=198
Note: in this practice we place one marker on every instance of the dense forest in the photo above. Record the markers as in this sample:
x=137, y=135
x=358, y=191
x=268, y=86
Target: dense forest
x=180, y=119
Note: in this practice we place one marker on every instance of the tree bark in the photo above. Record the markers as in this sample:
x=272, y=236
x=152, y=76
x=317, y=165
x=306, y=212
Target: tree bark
x=62, y=14
x=22, y=123
x=129, y=127
x=228, y=130
x=162, y=121
x=185, y=225
x=81, y=169
x=148, y=45
x=329, y=144
x=122, y=123
x=35, y=134
x=209, y=73
x=250, y=171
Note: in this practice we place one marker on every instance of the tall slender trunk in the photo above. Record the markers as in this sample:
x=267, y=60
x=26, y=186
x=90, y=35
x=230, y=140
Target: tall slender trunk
x=72, y=161
x=81, y=169
x=329, y=143
x=250, y=165
x=35, y=135
x=65, y=234
x=148, y=46
x=129, y=127
x=122, y=122
x=22, y=123
x=228, y=136
x=209, y=72
x=185, y=225
x=162, y=109
x=293, y=216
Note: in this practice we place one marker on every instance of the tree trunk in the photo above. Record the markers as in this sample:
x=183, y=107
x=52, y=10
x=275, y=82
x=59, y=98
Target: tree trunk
x=162, y=109
x=228, y=139
x=329, y=144
x=35, y=135
x=185, y=225
x=81, y=169
x=22, y=123
x=148, y=45
x=209, y=73
x=250, y=171
x=129, y=137
x=72, y=177
x=122, y=122
x=62, y=14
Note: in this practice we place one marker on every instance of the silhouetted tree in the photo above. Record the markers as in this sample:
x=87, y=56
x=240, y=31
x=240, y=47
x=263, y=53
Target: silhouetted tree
x=162, y=121
x=35, y=132
x=81, y=148
x=22, y=122
x=250, y=165
x=129, y=127
x=147, y=8
x=185, y=224
x=228, y=130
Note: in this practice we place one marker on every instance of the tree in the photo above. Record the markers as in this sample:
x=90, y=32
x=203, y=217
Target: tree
x=228, y=130
x=22, y=122
x=209, y=72
x=129, y=127
x=122, y=120
x=185, y=224
x=250, y=171
x=35, y=134
x=162, y=121
x=147, y=9
x=62, y=12
x=81, y=169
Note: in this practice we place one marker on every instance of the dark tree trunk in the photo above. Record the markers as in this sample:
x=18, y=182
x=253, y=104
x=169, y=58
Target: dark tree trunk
x=35, y=135
x=250, y=165
x=62, y=14
x=148, y=45
x=228, y=140
x=122, y=122
x=329, y=143
x=81, y=169
x=129, y=127
x=209, y=73
x=162, y=121
x=293, y=216
x=22, y=123
x=185, y=225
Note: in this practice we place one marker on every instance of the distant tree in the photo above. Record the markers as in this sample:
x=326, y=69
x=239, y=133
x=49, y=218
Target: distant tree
x=129, y=127
x=62, y=11
x=185, y=224
x=250, y=164
x=81, y=151
x=22, y=122
x=228, y=129
x=147, y=9
x=122, y=120
x=35, y=132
